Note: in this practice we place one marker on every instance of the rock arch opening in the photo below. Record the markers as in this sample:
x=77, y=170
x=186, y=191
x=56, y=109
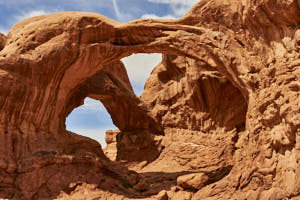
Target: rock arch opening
x=181, y=93
x=111, y=92
x=139, y=68
x=91, y=120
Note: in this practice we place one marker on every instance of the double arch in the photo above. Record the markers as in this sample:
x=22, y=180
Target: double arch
x=73, y=47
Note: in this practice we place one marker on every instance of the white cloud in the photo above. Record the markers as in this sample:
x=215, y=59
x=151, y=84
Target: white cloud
x=29, y=14
x=116, y=9
x=179, y=7
x=95, y=134
x=121, y=16
x=90, y=120
x=139, y=68
x=23, y=15
x=153, y=16
x=3, y=30
x=91, y=106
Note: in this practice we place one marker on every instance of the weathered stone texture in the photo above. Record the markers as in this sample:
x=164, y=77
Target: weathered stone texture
x=224, y=102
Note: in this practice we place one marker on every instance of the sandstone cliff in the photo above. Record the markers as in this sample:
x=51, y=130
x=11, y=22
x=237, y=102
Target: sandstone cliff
x=189, y=94
x=223, y=123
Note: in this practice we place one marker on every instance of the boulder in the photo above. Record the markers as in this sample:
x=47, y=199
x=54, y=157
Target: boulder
x=111, y=144
x=162, y=195
x=194, y=181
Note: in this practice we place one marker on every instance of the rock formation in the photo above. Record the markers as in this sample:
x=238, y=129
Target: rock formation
x=111, y=140
x=223, y=123
x=111, y=86
x=2, y=41
x=188, y=94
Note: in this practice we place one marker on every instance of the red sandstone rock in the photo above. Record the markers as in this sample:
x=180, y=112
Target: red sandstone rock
x=111, y=136
x=146, y=143
x=188, y=94
x=163, y=195
x=111, y=140
x=245, y=53
x=193, y=181
x=2, y=41
x=141, y=185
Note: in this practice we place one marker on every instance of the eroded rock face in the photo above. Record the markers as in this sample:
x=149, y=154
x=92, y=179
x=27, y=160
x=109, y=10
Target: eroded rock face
x=111, y=86
x=145, y=142
x=111, y=140
x=188, y=94
x=2, y=41
x=244, y=51
x=193, y=181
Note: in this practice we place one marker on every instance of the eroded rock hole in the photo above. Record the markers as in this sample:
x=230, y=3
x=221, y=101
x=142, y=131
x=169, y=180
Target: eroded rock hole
x=139, y=68
x=125, y=110
x=91, y=120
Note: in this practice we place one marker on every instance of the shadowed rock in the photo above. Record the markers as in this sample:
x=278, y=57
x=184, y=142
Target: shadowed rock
x=2, y=41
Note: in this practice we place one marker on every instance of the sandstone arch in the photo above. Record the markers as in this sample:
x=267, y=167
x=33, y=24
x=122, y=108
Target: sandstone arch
x=80, y=49
x=254, y=44
x=112, y=87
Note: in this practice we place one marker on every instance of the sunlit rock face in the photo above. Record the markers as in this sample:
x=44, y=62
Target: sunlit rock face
x=188, y=94
x=220, y=113
x=111, y=140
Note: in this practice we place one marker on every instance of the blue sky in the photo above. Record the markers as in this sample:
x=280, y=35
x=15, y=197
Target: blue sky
x=92, y=119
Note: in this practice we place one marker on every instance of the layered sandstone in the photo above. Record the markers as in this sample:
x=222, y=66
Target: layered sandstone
x=111, y=140
x=189, y=94
x=244, y=146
